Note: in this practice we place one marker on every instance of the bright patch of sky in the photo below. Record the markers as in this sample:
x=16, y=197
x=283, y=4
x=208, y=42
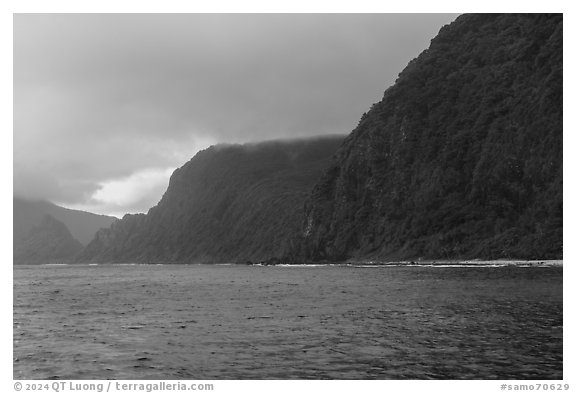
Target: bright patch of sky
x=106, y=104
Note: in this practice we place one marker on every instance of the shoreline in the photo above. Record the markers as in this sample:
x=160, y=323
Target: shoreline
x=498, y=262
x=364, y=263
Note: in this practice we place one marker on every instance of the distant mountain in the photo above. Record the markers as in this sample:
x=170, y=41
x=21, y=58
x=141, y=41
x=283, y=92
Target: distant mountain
x=462, y=158
x=48, y=242
x=82, y=225
x=229, y=203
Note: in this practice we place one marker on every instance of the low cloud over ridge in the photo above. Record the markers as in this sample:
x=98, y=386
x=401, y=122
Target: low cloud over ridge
x=99, y=98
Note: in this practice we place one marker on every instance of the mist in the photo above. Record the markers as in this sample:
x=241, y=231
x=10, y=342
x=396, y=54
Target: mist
x=106, y=106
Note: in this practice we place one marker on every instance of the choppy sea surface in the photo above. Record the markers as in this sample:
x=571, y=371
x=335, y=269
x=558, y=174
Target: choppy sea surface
x=251, y=322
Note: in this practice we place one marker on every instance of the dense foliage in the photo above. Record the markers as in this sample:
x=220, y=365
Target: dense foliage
x=228, y=204
x=462, y=158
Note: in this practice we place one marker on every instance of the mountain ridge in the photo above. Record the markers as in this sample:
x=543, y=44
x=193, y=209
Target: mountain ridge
x=462, y=158
x=229, y=203
x=82, y=224
x=49, y=241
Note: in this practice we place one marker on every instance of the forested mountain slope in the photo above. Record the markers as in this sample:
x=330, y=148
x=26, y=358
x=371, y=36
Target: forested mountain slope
x=228, y=204
x=462, y=158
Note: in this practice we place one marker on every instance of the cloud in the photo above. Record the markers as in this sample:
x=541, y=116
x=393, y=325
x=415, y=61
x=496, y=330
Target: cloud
x=132, y=194
x=101, y=97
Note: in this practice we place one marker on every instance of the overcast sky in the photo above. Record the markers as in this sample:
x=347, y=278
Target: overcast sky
x=106, y=106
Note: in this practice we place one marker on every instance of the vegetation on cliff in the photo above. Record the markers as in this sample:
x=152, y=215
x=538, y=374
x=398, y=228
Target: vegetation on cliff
x=228, y=204
x=462, y=158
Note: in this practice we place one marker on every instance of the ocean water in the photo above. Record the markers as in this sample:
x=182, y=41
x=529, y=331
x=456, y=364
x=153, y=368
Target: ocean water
x=251, y=322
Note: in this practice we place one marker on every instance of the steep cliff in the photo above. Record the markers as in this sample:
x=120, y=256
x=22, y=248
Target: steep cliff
x=230, y=203
x=461, y=158
x=48, y=242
